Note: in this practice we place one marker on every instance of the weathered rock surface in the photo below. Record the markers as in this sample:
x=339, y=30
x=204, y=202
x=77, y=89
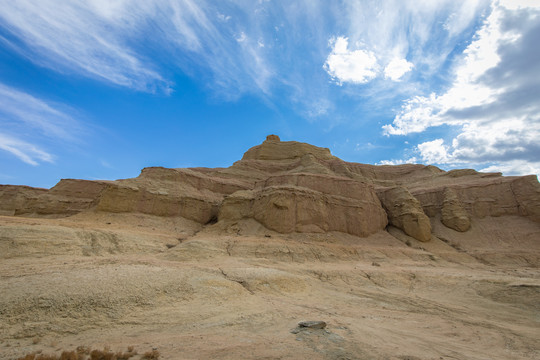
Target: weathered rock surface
x=274, y=149
x=405, y=212
x=13, y=198
x=453, y=214
x=309, y=203
x=289, y=187
x=314, y=324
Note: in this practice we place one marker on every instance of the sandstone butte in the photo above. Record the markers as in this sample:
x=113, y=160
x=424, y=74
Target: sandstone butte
x=289, y=187
x=279, y=195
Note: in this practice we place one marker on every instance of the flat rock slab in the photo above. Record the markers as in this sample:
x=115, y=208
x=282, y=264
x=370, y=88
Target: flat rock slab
x=308, y=325
x=312, y=324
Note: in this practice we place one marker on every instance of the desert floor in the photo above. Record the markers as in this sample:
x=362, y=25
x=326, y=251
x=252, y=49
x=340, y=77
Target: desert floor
x=235, y=291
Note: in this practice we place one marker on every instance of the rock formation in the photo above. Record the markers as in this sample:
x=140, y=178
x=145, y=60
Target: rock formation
x=406, y=213
x=308, y=203
x=289, y=186
x=453, y=214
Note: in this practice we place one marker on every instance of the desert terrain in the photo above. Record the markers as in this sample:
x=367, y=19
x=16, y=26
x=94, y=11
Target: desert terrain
x=401, y=262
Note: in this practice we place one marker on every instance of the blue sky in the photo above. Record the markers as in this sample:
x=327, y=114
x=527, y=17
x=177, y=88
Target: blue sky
x=99, y=89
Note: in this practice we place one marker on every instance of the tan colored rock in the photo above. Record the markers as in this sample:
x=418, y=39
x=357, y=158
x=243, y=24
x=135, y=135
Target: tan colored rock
x=237, y=206
x=273, y=138
x=526, y=190
x=13, y=198
x=405, y=212
x=453, y=215
x=68, y=197
x=132, y=199
x=186, y=180
x=290, y=186
x=483, y=195
x=285, y=150
x=294, y=209
x=309, y=203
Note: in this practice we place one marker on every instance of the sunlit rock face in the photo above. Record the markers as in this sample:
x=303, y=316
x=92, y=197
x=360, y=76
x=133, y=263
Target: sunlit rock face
x=288, y=187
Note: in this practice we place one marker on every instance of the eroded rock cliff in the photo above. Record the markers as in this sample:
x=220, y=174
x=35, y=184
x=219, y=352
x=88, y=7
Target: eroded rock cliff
x=287, y=187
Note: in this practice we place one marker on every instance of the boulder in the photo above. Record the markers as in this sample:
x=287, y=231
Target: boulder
x=313, y=324
x=453, y=215
x=405, y=212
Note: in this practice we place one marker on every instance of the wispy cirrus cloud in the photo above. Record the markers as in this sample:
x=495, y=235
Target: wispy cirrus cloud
x=27, y=121
x=140, y=44
x=132, y=43
x=20, y=110
x=492, y=101
x=24, y=151
x=406, y=34
x=87, y=38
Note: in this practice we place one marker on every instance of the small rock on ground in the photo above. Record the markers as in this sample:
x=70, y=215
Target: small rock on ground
x=312, y=324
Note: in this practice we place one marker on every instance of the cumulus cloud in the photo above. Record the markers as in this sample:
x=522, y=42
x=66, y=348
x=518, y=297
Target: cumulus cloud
x=424, y=32
x=346, y=65
x=434, y=152
x=25, y=116
x=515, y=167
x=397, y=68
x=393, y=162
x=397, y=36
x=492, y=102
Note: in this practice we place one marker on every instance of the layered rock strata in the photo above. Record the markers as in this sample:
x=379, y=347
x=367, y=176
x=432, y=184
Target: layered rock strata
x=309, y=203
x=405, y=212
x=289, y=186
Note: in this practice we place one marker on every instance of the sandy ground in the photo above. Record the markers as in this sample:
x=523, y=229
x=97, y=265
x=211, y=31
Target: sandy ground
x=236, y=291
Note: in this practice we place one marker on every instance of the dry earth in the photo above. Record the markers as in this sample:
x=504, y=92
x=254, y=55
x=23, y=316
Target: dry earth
x=193, y=292
x=401, y=262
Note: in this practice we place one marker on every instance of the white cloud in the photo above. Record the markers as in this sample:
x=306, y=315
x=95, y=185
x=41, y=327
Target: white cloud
x=422, y=112
x=491, y=103
x=411, y=160
x=517, y=4
x=319, y=108
x=83, y=37
x=423, y=31
x=129, y=43
x=223, y=17
x=138, y=44
x=397, y=68
x=25, y=116
x=26, y=152
x=345, y=65
x=434, y=152
x=236, y=47
x=462, y=16
x=241, y=37
x=21, y=110
x=515, y=167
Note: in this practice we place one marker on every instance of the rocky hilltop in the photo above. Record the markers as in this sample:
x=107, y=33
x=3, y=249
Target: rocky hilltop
x=290, y=253
x=288, y=187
